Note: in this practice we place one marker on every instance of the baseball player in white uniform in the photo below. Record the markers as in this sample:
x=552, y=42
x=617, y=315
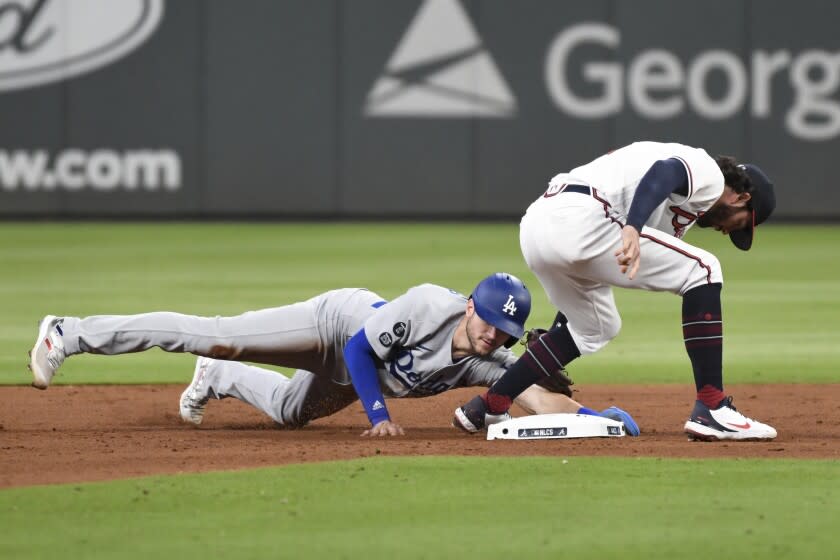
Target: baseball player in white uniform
x=619, y=221
x=348, y=344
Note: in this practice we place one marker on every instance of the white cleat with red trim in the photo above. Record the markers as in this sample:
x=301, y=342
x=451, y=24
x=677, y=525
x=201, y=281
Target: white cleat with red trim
x=725, y=423
x=48, y=353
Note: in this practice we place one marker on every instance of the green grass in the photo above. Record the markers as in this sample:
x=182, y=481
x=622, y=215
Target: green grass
x=441, y=508
x=781, y=299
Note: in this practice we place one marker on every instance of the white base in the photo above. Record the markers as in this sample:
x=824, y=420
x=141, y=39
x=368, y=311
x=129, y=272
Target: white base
x=556, y=426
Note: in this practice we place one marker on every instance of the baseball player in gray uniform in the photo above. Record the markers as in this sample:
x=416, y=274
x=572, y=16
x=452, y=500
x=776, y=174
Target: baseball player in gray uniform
x=347, y=344
x=619, y=221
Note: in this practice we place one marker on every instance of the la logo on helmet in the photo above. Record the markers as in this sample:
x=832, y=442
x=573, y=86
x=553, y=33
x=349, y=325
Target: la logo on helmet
x=510, y=306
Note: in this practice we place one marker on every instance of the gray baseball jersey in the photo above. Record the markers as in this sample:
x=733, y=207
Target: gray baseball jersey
x=412, y=337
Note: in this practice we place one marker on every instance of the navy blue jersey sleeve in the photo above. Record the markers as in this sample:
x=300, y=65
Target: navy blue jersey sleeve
x=664, y=177
x=360, y=359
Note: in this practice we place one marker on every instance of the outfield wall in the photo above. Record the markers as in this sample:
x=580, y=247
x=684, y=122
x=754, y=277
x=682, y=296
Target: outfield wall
x=395, y=108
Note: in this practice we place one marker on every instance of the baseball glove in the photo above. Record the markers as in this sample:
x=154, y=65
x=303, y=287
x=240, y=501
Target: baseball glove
x=559, y=380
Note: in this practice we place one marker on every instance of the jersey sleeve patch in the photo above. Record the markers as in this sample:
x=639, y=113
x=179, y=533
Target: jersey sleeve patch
x=385, y=339
x=390, y=327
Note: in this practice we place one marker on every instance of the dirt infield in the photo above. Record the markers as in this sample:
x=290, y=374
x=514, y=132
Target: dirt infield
x=86, y=433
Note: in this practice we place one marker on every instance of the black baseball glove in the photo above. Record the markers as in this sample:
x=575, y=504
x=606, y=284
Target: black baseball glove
x=559, y=380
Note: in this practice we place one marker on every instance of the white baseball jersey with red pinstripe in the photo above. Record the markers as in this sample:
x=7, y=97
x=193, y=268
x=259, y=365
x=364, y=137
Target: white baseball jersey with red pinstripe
x=570, y=234
x=617, y=174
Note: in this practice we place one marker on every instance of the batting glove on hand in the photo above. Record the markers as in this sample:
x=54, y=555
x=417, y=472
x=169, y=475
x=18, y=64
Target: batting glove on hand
x=558, y=381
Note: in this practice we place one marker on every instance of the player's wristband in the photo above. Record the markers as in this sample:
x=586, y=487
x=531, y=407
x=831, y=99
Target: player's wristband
x=359, y=357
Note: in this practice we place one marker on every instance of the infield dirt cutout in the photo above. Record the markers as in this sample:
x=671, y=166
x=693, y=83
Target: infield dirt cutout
x=88, y=433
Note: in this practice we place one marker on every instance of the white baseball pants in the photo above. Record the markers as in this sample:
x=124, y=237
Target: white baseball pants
x=569, y=241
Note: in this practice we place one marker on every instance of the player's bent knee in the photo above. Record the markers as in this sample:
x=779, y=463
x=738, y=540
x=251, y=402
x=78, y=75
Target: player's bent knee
x=294, y=419
x=706, y=270
x=611, y=329
x=589, y=343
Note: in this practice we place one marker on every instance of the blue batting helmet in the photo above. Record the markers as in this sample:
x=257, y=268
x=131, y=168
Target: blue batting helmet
x=503, y=301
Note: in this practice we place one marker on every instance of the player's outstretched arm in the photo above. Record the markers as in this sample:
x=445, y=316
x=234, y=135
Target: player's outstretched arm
x=360, y=359
x=536, y=400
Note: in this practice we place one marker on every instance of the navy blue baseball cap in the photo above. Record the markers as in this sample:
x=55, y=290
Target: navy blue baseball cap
x=762, y=203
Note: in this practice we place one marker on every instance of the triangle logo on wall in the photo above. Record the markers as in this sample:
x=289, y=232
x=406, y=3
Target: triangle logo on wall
x=440, y=70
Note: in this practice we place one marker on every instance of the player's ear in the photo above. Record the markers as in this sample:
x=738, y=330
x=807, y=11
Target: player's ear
x=470, y=308
x=743, y=199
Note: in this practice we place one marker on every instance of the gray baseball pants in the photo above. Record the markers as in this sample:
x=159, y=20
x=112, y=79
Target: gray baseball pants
x=287, y=336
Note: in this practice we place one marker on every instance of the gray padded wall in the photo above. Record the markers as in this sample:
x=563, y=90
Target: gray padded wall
x=398, y=108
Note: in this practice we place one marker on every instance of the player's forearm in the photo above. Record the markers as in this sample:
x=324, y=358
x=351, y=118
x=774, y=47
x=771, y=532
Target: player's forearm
x=663, y=178
x=359, y=358
x=536, y=400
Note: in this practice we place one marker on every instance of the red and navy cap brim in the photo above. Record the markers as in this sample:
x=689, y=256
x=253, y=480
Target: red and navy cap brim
x=743, y=238
x=763, y=202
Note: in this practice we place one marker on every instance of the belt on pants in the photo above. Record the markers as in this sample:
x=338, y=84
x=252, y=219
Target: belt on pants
x=554, y=190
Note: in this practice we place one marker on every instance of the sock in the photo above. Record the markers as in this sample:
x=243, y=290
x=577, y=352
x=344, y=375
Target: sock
x=552, y=350
x=560, y=320
x=703, y=334
x=497, y=404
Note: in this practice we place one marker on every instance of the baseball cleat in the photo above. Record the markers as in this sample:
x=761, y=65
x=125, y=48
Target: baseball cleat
x=48, y=353
x=619, y=415
x=725, y=423
x=194, y=398
x=470, y=417
x=473, y=416
x=463, y=423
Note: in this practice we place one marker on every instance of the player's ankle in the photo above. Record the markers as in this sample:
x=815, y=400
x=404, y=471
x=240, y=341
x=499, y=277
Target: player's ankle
x=710, y=395
x=496, y=403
